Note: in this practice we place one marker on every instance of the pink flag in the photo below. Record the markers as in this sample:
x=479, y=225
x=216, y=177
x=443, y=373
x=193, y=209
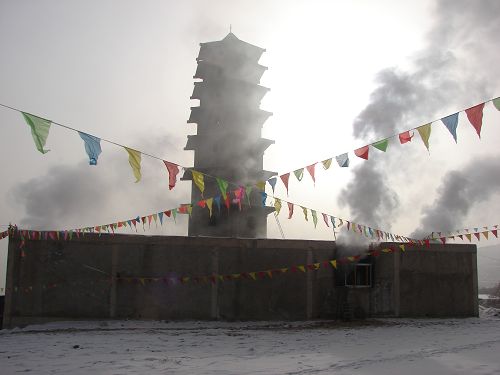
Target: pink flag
x=290, y=209
x=285, y=178
x=362, y=152
x=475, y=116
x=325, y=218
x=173, y=170
x=310, y=169
x=405, y=137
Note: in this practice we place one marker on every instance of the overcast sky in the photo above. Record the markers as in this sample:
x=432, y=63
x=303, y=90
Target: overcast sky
x=341, y=74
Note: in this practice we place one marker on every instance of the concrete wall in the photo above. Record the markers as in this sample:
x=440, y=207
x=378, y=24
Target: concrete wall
x=82, y=279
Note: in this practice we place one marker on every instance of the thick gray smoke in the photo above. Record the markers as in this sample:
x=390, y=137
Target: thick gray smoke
x=451, y=71
x=458, y=193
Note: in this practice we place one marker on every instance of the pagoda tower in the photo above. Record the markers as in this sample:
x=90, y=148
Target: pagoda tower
x=228, y=142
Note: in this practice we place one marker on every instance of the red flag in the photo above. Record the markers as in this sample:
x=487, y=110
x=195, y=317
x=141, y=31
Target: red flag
x=290, y=209
x=202, y=203
x=285, y=178
x=173, y=170
x=405, y=137
x=443, y=240
x=168, y=213
x=475, y=116
x=495, y=233
x=478, y=236
x=310, y=169
x=362, y=152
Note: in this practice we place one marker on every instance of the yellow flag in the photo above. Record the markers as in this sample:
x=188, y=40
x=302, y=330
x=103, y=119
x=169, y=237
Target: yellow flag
x=134, y=158
x=402, y=247
x=485, y=234
x=425, y=133
x=252, y=275
x=304, y=209
x=261, y=185
x=198, y=180
x=469, y=236
x=209, y=203
x=333, y=263
x=270, y=273
x=302, y=268
x=277, y=205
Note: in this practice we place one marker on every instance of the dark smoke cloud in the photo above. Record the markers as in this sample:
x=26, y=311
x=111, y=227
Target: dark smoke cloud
x=458, y=193
x=441, y=77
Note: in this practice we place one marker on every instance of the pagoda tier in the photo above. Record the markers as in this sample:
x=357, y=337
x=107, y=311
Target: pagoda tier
x=228, y=143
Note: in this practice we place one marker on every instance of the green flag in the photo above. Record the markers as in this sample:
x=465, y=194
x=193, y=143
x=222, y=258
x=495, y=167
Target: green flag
x=496, y=103
x=39, y=130
x=425, y=133
x=381, y=145
x=222, y=186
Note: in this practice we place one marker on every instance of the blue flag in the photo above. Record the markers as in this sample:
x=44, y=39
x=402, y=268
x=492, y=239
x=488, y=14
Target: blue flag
x=92, y=147
x=272, y=182
x=264, y=197
x=343, y=160
x=451, y=123
x=217, y=201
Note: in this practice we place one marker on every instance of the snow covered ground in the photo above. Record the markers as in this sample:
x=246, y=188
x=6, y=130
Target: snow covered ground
x=451, y=346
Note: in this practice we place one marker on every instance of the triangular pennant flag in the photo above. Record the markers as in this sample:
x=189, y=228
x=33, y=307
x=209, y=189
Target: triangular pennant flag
x=39, y=130
x=381, y=145
x=325, y=218
x=495, y=233
x=478, y=236
x=485, y=234
x=263, y=197
x=134, y=159
x=402, y=247
x=475, y=116
x=327, y=163
x=425, y=133
x=362, y=152
x=469, y=236
x=304, y=210
x=217, y=202
x=160, y=216
x=285, y=178
x=223, y=184
x=92, y=147
x=311, y=170
x=342, y=160
x=198, y=180
x=299, y=173
x=451, y=123
x=405, y=137
x=272, y=182
x=333, y=263
x=290, y=209
x=277, y=205
x=302, y=268
x=315, y=218
x=173, y=170
x=261, y=185
x=210, y=202
x=496, y=103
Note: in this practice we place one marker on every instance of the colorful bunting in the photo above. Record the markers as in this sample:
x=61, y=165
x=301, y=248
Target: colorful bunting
x=277, y=205
x=134, y=159
x=381, y=145
x=451, y=123
x=92, y=147
x=39, y=130
x=475, y=116
x=362, y=152
x=425, y=133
